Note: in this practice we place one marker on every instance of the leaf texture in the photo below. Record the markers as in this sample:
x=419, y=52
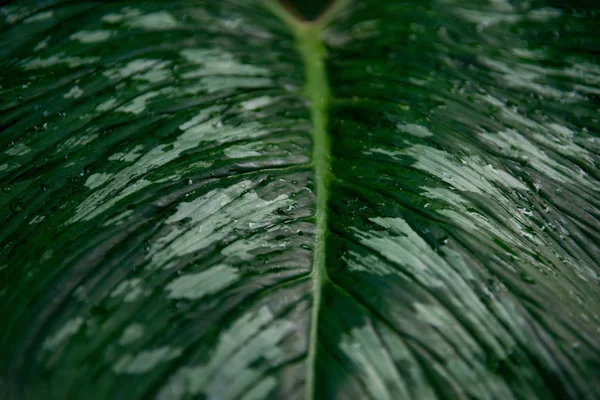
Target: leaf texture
x=175, y=174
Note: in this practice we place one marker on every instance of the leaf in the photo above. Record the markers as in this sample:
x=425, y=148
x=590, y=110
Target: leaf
x=205, y=200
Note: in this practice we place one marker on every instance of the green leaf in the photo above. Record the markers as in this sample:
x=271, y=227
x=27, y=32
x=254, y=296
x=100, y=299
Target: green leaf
x=214, y=200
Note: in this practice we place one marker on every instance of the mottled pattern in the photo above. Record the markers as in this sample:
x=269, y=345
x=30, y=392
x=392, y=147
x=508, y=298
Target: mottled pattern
x=467, y=201
x=158, y=202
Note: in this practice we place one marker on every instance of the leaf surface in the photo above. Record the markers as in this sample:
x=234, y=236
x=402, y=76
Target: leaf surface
x=200, y=201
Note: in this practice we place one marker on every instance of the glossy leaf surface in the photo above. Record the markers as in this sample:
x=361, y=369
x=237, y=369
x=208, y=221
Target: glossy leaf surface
x=198, y=202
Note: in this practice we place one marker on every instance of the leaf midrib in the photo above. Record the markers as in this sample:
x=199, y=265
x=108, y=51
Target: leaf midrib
x=316, y=89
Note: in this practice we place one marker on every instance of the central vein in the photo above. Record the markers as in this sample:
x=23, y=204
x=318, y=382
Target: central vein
x=316, y=89
x=312, y=51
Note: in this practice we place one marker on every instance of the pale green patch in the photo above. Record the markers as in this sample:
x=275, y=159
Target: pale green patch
x=401, y=245
x=470, y=174
x=118, y=220
x=416, y=130
x=37, y=219
x=112, y=18
x=42, y=45
x=487, y=19
x=43, y=16
x=261, y=390
x=138, y=105
x=13, y=13
x=145, y=361
x=88, y=37
x=454, y=344
x=60, y=58
x=242, y=249
x=77, y=141
x=199, y=128
x=97, y=180
x=130, y=156
x=378, y=373
x=221, y=83
x=157, y=21
x=412, y=374
x=213, y=217
x=513, y=143
x=127, y=13
x=524, y=76
x=544, y=14
x=156, y=73
x=107, y=105
x=132, y=68
x=219, y=62
x=205, y=283
x=228, y=372
x=70, y=327
x=132, y=333
x=18, y=149
x=244, y=150
x=74, y=93
x=258, y=102
x=529, y=54
x=131, y=290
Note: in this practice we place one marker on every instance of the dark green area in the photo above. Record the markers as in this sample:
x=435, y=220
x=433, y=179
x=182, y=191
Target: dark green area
x=309, y=9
